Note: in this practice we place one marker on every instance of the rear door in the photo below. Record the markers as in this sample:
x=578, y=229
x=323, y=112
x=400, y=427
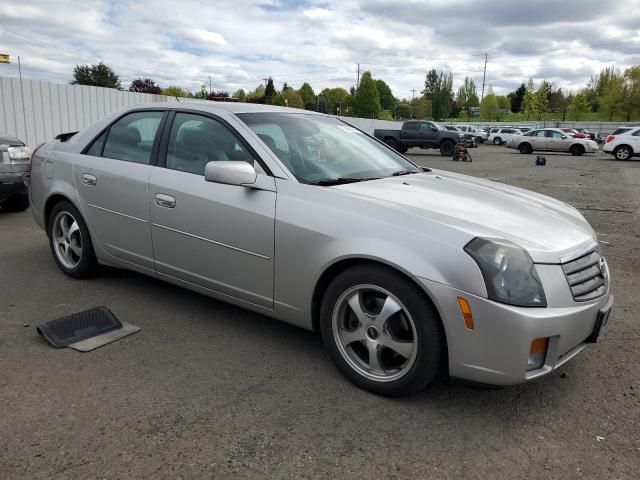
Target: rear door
x=410, y=133
x=538, y=139
x=220, y=237
x=112, y=180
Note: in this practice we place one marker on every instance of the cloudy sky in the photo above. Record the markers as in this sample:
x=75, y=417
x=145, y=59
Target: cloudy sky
x=238, y=43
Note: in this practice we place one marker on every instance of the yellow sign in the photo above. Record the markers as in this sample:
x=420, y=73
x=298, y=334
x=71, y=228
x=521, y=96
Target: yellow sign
x=4, y=58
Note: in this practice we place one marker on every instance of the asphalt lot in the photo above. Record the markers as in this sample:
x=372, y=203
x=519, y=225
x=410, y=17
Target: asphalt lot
x=207, y=390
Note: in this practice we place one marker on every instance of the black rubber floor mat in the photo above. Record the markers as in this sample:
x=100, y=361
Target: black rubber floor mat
x=79, y=326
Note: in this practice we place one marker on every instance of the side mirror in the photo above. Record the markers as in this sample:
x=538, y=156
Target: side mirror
x=564, y=137
x=434, y=129
x=230, y=173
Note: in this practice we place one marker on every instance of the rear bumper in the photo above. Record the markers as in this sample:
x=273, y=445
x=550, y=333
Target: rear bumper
x=496, y=351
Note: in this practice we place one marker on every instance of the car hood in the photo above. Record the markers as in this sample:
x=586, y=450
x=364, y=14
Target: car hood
x=550, y=230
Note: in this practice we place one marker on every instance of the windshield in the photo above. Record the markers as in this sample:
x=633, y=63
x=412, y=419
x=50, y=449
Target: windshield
x=319, y=149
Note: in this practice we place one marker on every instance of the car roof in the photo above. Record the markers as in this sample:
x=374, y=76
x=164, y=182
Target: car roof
x=232, y=107
x=6, y=139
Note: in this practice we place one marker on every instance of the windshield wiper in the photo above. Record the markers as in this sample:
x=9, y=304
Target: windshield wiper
x=327, y=182
x=402, y=172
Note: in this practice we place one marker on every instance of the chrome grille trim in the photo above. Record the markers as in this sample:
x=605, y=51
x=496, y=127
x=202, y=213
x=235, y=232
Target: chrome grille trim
x=586, y=276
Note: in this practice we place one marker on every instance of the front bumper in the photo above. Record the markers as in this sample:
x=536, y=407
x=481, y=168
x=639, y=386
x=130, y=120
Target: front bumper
x=496, y=351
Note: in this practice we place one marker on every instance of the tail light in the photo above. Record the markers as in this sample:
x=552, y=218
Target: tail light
x=610, y=138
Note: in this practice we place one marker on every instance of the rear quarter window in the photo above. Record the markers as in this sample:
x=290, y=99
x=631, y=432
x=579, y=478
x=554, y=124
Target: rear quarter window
x=620, y=131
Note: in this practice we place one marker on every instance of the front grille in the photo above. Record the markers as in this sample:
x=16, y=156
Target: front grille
x=586, y=277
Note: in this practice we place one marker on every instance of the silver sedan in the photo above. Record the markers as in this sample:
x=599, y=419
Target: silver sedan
x=551, y=140
x=404, y=271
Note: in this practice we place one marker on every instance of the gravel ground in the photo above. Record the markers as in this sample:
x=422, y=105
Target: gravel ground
x=207, y=390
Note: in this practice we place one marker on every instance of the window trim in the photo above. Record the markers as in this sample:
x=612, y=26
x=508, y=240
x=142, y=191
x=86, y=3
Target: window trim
x=163, y=146
x=153, y=155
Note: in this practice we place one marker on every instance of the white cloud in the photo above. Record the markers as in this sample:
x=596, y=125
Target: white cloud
x=240, y=42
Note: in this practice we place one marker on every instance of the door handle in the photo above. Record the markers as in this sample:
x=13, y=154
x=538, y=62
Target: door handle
x=164, y=200
x=89, y=180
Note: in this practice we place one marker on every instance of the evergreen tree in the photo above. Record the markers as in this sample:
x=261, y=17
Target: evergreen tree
x=517, y=97
x=99, y=75
x=387, y=100
x=367, y=100
x=269, y=91
x=308, y=96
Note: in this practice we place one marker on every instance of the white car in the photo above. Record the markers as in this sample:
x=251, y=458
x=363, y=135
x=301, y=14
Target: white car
x=552, y=140
x=502, y=135
x=623, y=143
x=479, y=134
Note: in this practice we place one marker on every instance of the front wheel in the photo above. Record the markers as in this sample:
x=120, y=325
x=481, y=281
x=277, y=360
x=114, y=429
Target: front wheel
x=381, y=331
x=70, y=241
x=576, y=150
x=623, y=152
x=446, y=148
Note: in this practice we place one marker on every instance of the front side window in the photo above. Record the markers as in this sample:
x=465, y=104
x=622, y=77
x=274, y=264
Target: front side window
x=554, y=134
x=318, y=149
x=131, y=137
x=196, y=140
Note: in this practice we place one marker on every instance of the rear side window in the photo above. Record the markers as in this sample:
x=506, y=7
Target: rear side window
x=411, y=126
x=131, y=138
x=636, y=133
x=494, y=130
x=620, y=131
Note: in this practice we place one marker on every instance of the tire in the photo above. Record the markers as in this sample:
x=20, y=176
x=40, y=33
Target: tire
x=404, y=150
x=71, y=246
x=392, y=143
x=17, y=203
x=623, y=152
x=412, y=327
x=525, y=148
x=576, y=150
x=497, y=141
x=446, y=148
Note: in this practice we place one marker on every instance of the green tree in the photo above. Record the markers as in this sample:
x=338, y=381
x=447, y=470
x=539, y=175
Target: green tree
x=529, y=104
x=288, y=98
x=422, y=108
x=504, y=106
x=467, y=95
x=145, y=85
x=308, y=96
x=613, y=97
x=387, y=100
x=269, y=91
x=174, y=91
x=336, y=100
x=402, y=111
x=99, y=75
x=557, y=100
x=631, y=90
x=517, y=97
x=366, y=103
x=489, y=106
x=579, y=106
x=240, y=94
x=438, y=89
x=541, y=99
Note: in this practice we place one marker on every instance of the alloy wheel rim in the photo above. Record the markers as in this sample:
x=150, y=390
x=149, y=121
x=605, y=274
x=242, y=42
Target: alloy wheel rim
x=375, y=333
x=622, y=153
x=67, y=239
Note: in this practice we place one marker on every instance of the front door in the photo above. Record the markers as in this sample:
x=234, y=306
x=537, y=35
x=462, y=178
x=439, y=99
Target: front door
x=216, y=236
x=557, y=142
x=112, y=181
x=428, y=134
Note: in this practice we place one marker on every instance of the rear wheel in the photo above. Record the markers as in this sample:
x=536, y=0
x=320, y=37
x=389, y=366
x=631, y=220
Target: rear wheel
x=446, y=148
x=525, y=148
x=576, y=150
x=623, y=152
x=70, y=241
x=17, y=203
x=497, y=141
x=381, y=331
x=392, y=143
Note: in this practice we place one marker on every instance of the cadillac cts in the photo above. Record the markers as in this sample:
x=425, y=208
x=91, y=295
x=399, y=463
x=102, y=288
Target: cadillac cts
x=405, y=271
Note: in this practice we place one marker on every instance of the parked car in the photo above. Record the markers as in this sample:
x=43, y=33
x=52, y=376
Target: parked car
x=525, y=128
x=572, y=132
x=479, y=135
x=403, y=270
x=623, y=143
x=592, y=135
x=14, y=165
x=498, y=136
x=421, y=134
x=553, y=140
x=469, y=140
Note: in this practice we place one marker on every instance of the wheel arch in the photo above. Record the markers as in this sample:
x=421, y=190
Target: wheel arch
x=51, y=202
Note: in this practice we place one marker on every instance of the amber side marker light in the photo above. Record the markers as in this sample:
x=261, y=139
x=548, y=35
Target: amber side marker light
x=537, y=353
x=466, y=312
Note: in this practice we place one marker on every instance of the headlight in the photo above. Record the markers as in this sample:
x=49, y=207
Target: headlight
x=19, y=153
x=508, y=271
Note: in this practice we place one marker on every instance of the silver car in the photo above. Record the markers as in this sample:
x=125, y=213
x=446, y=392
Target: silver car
x=552, y=140
x=404, y=271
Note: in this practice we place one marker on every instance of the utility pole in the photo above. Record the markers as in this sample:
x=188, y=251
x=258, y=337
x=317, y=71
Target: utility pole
x=484, y=77
x=210, y=84
x=358, y=78
x=24, y=111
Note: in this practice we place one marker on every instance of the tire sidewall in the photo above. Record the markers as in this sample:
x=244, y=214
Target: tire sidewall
x=577, y=150
x=618, y=149
x=428, y=329
x=87, y=262
x=446, y=148
x=497, y=141
x=525, y=148
x=392, y=143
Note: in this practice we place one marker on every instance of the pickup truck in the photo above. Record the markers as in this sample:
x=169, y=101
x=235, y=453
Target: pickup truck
x=421, y=134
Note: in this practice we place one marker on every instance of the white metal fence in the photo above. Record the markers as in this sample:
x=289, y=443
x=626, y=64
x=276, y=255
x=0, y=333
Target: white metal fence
x=36, y=111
